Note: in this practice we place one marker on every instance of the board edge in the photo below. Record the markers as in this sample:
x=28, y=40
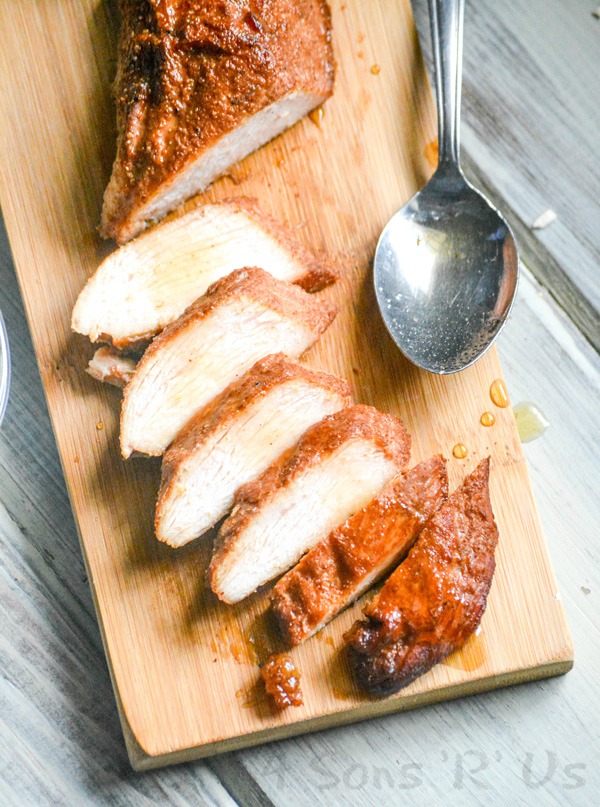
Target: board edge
x=141, y=761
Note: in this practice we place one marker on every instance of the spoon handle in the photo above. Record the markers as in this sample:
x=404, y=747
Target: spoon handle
x=447, y=36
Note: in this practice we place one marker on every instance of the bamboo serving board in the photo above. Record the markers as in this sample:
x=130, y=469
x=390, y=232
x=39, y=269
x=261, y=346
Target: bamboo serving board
x=184, y=666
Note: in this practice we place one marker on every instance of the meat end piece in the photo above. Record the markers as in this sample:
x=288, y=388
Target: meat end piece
x=434, y=601
x=282, y=680
x=145, y=285
x=242, y=318
x=110, y=366
x=200, y=86
x=235, y=438
x=337, y=467
x=356, y=554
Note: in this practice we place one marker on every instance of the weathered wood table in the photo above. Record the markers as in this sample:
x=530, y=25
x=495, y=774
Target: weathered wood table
x=531, y=139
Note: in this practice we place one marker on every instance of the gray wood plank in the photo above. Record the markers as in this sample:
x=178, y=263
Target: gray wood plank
x=531, y=124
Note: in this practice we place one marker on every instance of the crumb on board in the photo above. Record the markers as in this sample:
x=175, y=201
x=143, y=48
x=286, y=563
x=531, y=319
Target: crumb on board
x=544, y=219
x=282, y=680
x=317, y=115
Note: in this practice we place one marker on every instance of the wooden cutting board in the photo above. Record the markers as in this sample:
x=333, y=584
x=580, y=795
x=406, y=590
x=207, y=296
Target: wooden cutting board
x=183, y=665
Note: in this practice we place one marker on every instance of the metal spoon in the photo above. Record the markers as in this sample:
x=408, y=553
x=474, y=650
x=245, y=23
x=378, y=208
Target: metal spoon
x=446, y=265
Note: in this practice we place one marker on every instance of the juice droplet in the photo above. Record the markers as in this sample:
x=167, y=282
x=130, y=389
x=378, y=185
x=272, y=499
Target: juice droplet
x=459, y=451
x=499, y=393
x=99, y=425
x=431, y=152
x=317, y=115
x=487, y=419
x=531, y=422
x=250, y=696
x=376, y=70
x=471, y=655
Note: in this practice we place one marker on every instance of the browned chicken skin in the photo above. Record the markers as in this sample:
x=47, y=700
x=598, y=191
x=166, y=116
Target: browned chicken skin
x=435, y=600
x=358, y=552
x=201, y=84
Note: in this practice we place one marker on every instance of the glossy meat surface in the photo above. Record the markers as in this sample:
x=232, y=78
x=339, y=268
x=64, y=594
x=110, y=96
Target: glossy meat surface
x=337, y=467
x=146, y=284
x=235, y=438
x=242, y=318
x=434, y=600
x=358, y=552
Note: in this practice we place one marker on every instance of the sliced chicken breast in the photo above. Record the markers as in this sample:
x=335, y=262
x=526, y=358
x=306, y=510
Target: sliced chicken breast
x=145, y=285
x=357, y=553
x=336, y=468
x=235, y=438
x=199, y=86
x=112, y=367
x=241, y=318
x=434, y=601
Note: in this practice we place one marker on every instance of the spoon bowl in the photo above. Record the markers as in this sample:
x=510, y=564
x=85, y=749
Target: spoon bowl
x=446, y=265
x=446, y=270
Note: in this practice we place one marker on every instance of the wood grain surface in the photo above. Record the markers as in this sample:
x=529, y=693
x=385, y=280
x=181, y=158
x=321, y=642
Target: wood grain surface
x=338, y=184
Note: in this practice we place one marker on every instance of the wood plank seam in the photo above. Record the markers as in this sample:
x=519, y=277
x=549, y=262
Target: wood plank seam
x=236, y=780
x=543, y=266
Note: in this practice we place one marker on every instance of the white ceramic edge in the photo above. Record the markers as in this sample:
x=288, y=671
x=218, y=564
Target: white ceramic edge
x=4, y=368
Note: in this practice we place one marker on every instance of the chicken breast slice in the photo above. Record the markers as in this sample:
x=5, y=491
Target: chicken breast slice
x=356, y=554
x=337, y=467
x=110, y=366
x=200, y=86
x=241, y=318
x=235, y=438
x=435, y=599
x=145, y=285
